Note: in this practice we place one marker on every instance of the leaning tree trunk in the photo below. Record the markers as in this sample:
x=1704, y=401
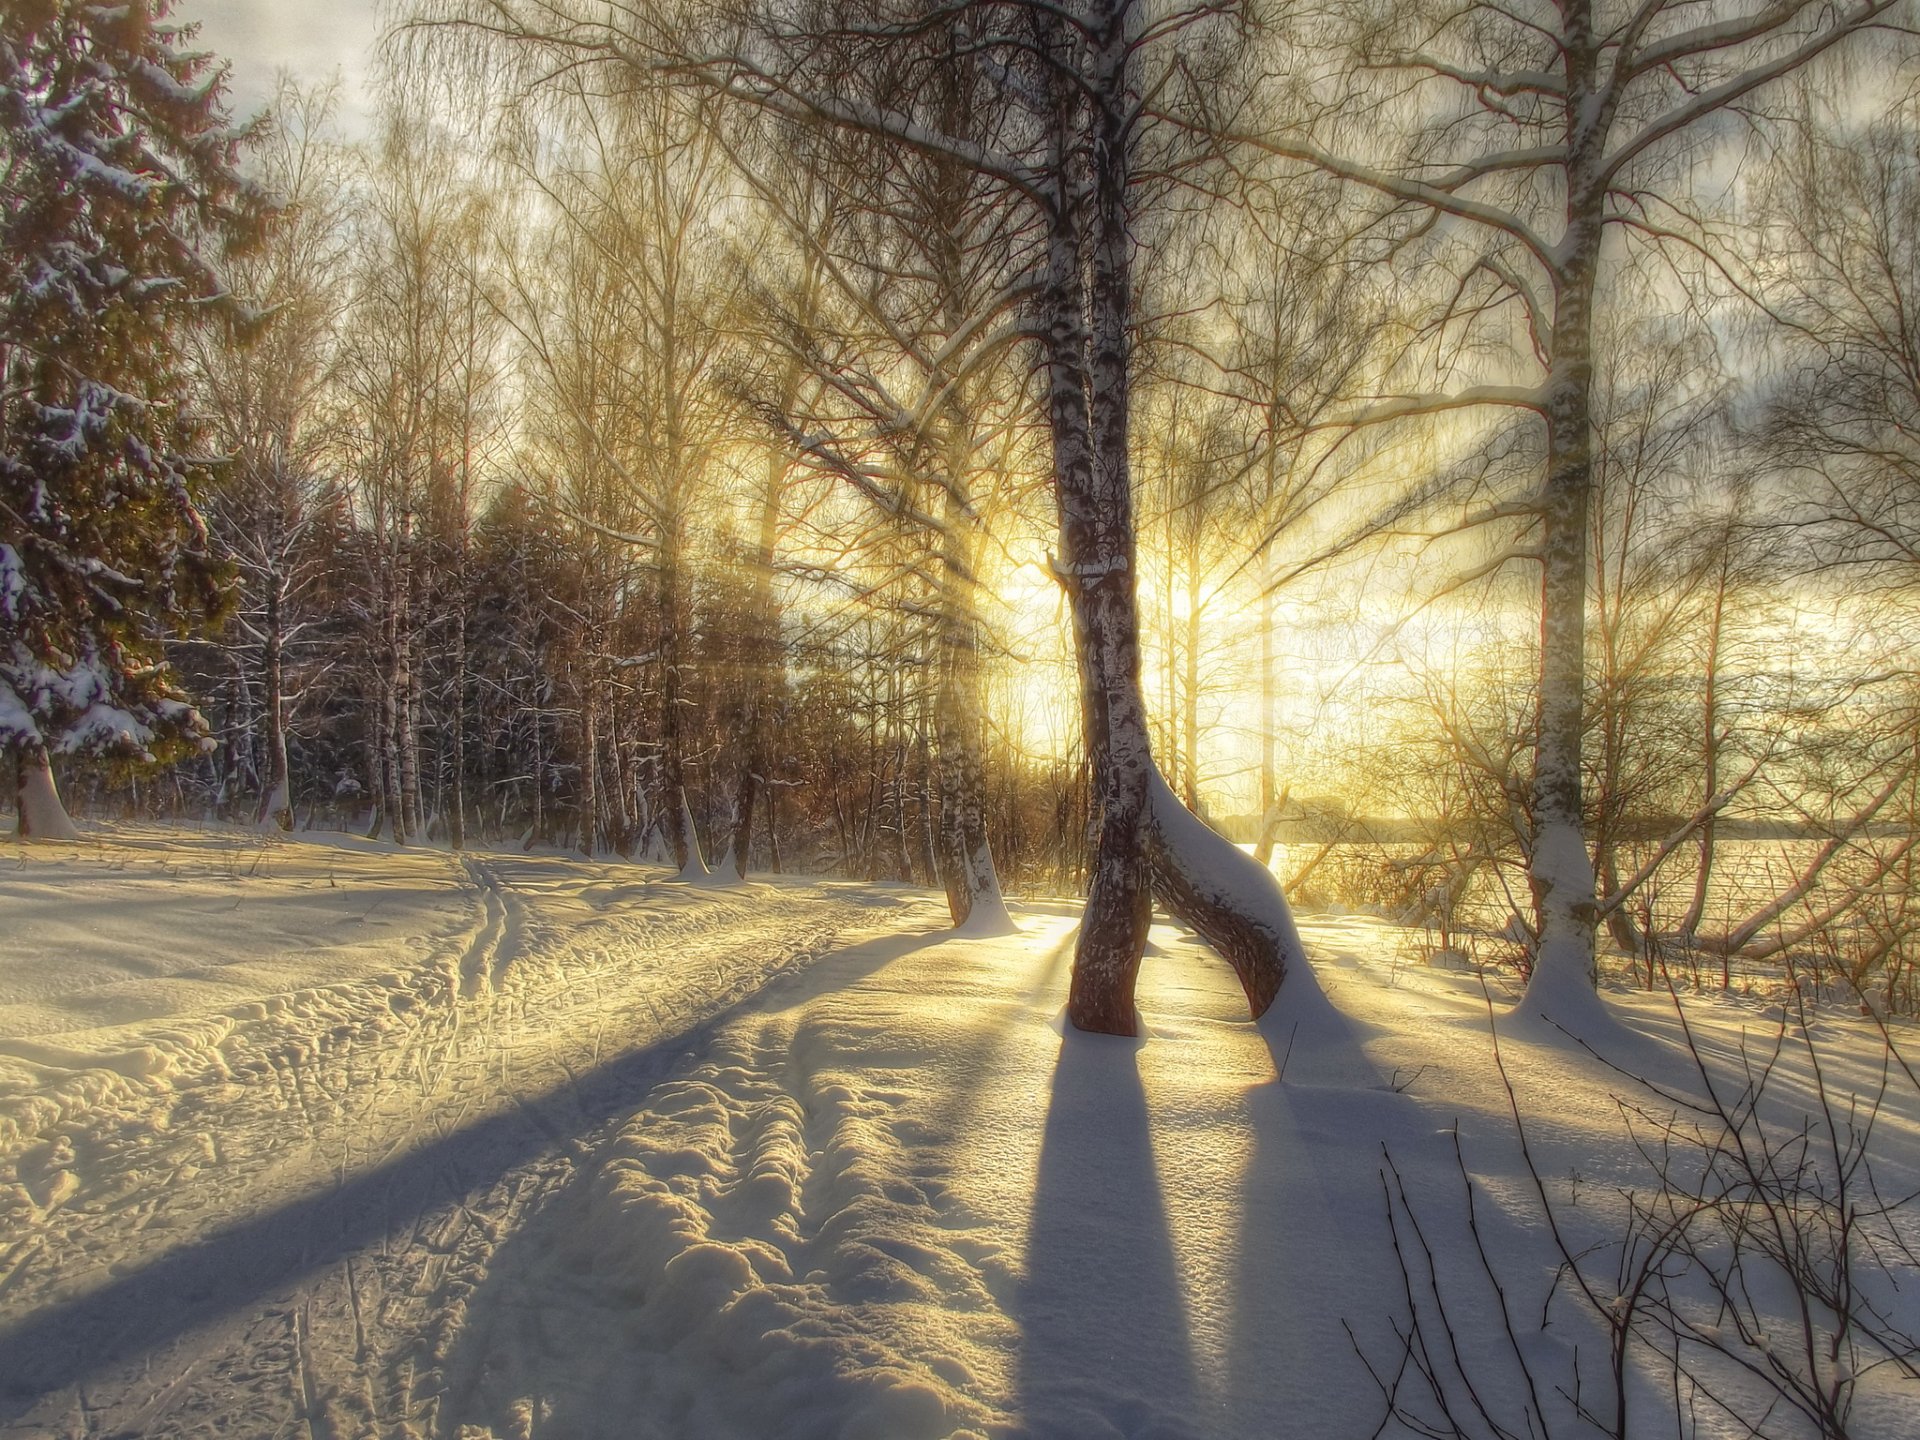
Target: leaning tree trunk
x=37, y=799
x=1094, y=499
x=1206, y=880
x=1225, y=894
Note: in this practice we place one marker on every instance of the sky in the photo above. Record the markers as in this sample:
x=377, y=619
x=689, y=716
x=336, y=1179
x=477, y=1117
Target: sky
x=313, y=39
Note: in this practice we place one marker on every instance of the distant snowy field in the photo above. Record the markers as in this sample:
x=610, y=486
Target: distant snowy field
x=318, y=1137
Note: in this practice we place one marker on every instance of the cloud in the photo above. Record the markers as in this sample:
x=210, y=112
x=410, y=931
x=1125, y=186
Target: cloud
x=313, y=41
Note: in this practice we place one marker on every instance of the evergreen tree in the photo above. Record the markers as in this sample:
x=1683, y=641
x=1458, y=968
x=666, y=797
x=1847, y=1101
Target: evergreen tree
x=118, y=188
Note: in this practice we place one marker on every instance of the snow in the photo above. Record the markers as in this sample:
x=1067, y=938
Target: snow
x=506, y=1146
x=13, y=582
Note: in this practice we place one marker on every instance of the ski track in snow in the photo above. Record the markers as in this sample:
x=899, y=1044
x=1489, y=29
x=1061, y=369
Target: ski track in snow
x=618, y=1158
x=264, y=1222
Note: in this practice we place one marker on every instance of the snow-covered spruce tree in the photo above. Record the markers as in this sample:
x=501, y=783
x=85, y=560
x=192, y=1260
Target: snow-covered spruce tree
x=118, y=181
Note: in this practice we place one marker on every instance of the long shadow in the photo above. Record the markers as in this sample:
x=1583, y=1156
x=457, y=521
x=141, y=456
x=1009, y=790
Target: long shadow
x=967, y=1073
x=139, y=1312
x=1312, y=1235
x=1105, y=1341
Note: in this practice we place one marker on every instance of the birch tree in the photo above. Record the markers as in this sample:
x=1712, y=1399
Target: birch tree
x=1549, y=135
x=627, y=355
x=265, y=397
x=1076, y=151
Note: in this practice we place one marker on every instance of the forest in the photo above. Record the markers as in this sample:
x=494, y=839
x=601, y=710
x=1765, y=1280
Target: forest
x=713, y=433
x=604, y=666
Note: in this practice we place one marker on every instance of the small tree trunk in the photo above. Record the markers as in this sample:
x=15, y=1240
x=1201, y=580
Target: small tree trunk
x=773, y=828
x=1269, y=776
x=536, y=830
x=589, y=745
x=965, y=854
x=1709, y=767
x=407, y=692
x=1190, y=687
x=391, y=668
x=390, y=761
x=676, y=814
x=276, y=799
x=457, y=741
x=37, y=799
x=614, y=784
x=923, y=846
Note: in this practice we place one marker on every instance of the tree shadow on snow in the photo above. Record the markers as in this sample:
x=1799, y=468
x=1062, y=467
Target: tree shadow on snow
x=1106, y=1347
x=144, y=1311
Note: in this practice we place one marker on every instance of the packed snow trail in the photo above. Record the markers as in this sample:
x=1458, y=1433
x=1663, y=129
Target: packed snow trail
x=616, y=1159
x=899, y=1202
x=263, y=1219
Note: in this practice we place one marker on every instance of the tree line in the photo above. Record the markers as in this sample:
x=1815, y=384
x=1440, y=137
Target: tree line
x=636, y=445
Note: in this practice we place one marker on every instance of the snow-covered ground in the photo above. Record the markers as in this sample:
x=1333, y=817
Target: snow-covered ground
x=319, y=1138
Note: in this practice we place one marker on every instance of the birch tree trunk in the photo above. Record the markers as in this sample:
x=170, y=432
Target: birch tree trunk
x=391, y=672
x=1094, y=499
x=763, y=657
x=1269, y=719
x=1144, y=836
x=1560, y=869
x=406, y=686
x=965, y=853
x=1709, y=766
x=589, y=748
x=457, y=741
x=683, y=839
x=276, y=797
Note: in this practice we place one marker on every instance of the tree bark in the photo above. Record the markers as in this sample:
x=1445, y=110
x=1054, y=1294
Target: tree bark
x=1709, y=766
x=1560, y=869
x=275, y=810
x=589, y=746
x=1230, y=898
x=676, y=814
x=457, y=741
x=965, y=853
x=1140, y=830
x=37, y=799
x=1269, y=720
x=1087, y=401
x=407, y=689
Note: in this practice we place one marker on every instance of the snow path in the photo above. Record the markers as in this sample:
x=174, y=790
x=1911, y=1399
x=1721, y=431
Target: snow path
x=573, y=1151
x=904, y=1203
x=897, y=1201
x=262, y=1219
